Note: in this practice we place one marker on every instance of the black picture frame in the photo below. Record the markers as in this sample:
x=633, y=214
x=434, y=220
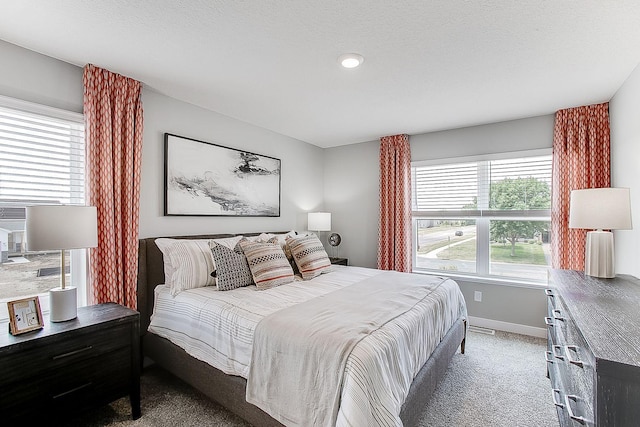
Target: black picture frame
x=206, y=179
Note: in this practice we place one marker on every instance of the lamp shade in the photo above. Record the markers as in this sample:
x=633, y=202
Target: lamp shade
x=600, y=208
x=59, y=227
x=319, y=221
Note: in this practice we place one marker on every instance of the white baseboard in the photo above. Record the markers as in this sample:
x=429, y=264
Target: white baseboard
x=508, y=327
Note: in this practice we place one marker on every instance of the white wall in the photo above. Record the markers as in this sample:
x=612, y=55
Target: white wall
x=352, y=177
x=33, y=77
x=624, y=112
x=515, y=135
x=301, y=179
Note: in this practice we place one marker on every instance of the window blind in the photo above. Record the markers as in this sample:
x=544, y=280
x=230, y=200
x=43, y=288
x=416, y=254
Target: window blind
x=42, y=159
x=463, y=190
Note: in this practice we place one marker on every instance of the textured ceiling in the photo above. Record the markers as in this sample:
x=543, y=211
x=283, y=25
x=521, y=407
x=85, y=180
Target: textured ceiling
x=429, y=65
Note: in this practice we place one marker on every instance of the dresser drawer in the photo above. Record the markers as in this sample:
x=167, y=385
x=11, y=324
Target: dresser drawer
x=54, y=355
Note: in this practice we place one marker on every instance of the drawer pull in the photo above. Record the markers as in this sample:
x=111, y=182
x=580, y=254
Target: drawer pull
x=555, y=392
x=548, y=356
x=548, y=321
x=557, y=315
x=572, y=348
x=73, y=390
x=72, y=353
x=557, y=352
x=572, y=415
x=549, y=292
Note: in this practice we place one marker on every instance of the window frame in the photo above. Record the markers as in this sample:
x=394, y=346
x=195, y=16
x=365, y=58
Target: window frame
x=78, y=257
x=482, y=217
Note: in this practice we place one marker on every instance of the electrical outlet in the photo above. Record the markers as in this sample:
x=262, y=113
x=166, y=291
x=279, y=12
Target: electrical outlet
x=477, y=296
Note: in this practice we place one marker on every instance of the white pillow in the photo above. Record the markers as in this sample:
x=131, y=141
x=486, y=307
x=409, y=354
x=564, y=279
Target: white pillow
x=188, y=264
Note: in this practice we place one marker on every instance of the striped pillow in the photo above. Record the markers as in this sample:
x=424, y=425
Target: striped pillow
x=309, y=255
x=268, y=264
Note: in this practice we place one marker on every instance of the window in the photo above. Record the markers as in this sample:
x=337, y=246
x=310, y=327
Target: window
x=488, y=217
x=42, y=161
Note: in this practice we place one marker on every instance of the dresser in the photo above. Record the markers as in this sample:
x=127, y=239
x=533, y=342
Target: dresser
x=70, y=366
x=593, y=354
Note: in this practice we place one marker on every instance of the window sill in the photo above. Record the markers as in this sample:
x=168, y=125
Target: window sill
x=501, y=281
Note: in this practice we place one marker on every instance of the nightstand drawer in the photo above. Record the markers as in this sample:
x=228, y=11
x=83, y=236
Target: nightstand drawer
x=87, y=380
x=45, y=356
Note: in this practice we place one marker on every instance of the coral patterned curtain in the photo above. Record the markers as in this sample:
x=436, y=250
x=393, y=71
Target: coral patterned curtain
x=113, y=122
x=394, y=247
x=581, y=159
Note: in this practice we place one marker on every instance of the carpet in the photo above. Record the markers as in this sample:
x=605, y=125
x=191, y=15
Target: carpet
x=499, y=381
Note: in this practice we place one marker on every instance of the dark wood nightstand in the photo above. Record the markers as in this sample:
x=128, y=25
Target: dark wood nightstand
x=70, y=366
x=339, y=261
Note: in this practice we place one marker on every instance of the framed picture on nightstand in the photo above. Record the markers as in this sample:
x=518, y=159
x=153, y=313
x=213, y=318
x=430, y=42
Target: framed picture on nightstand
x=25, y=315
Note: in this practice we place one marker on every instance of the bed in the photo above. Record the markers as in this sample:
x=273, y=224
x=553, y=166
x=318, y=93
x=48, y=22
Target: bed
x=231, y=390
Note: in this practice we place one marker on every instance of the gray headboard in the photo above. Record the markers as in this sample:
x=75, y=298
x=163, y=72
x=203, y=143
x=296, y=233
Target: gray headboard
x=151, y=271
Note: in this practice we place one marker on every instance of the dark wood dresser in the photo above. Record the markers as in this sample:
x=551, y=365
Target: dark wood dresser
x=70, y=366
x=593, y=356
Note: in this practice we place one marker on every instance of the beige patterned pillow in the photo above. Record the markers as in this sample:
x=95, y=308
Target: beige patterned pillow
x=268, y=264
x=309, y=255
x=188, y=264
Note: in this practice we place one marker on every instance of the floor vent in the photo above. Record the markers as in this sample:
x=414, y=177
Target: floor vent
x=482, y=330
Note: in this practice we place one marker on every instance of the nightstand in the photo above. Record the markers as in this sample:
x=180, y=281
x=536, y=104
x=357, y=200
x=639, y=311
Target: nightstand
x=70, y=366
x=339, y=261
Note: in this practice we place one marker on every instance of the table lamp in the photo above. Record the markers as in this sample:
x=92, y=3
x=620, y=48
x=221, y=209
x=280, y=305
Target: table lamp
x=319, y=221
x=600, y=209
x=61, y=227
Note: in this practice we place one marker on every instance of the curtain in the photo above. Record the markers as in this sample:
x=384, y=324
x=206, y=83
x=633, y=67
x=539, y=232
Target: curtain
x=581, y=159
x=394, y=246
x=113, y=122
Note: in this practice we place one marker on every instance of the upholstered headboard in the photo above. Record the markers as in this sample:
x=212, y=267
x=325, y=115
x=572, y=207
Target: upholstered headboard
x=151, y=271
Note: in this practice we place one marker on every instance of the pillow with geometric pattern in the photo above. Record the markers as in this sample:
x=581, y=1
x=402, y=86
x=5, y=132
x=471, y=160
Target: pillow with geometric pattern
x=232, y=270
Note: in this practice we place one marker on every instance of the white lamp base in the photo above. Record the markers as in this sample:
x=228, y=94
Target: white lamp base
x=598, y=256
x=63, y=304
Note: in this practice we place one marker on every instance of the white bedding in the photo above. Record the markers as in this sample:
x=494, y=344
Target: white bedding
x=217, y=327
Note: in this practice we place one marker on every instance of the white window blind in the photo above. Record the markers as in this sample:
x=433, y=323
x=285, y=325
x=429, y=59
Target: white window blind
x=445, y=189
x=464, y=190
x=42, y=157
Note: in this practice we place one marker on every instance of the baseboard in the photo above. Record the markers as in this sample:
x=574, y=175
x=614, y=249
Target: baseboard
x=508, y=327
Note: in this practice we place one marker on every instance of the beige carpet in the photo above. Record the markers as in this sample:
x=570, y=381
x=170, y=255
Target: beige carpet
x=500, y=381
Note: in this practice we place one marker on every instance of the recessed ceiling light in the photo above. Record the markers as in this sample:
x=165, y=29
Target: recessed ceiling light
x=350, y=60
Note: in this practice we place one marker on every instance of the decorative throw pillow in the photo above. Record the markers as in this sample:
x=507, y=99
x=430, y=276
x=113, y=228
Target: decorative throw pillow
x=268, y=264
x=309, y=255
x=287, y=252
x=232, y=270
x=188, y=263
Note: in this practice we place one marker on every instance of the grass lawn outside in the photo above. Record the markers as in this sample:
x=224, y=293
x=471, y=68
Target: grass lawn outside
x=525, y=253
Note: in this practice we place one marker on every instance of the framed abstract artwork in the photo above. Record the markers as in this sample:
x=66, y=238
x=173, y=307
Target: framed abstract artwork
x=206, y=179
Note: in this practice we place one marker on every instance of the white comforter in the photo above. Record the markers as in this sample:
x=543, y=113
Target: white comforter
x=217, y=327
